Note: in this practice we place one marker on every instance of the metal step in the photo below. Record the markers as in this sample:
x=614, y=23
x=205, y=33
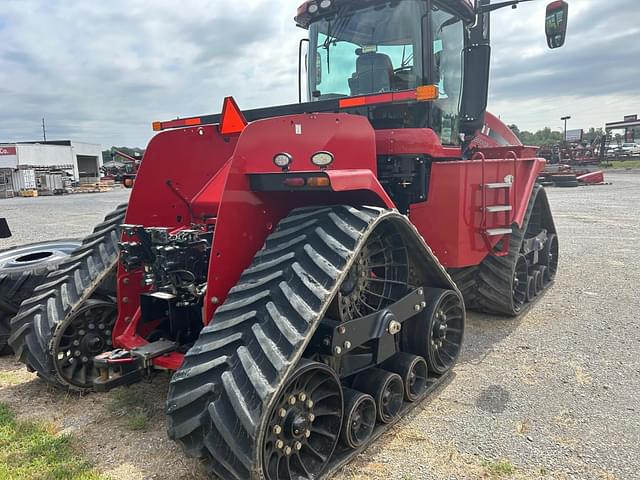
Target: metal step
x=496, y=186
x=499, y=208
x=498, y=232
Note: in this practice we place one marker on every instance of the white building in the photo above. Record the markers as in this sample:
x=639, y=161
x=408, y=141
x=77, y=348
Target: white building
x=82, y=160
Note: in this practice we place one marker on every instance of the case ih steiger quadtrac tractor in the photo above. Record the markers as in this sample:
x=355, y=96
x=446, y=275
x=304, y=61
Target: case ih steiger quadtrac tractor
x=302, y=268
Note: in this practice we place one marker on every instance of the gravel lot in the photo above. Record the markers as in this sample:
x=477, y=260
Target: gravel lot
x=554, y=394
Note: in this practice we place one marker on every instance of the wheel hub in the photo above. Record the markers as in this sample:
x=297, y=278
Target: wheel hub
x=81, y=337
x=304, y=425
x=297, y=423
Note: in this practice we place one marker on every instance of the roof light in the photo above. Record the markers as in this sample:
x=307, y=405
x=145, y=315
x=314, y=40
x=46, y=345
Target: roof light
x=325, y=3
x=282, y=160
x=312, y=8
x=322, y=159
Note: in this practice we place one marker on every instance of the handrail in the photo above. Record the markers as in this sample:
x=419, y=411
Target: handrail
x=480, y=156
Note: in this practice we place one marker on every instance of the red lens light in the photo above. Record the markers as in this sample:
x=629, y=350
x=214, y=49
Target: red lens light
x=294, y=182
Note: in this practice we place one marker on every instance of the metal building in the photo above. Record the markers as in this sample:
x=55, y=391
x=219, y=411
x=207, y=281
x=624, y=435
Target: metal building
x=83, y=161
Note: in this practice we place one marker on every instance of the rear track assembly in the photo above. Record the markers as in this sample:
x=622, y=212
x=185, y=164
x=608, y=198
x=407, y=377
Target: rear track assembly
x=255, y=398
x=69, y=318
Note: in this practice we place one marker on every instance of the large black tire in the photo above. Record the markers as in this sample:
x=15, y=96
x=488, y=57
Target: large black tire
x=89, y=270
x=494, y=293
x=220, y=400
x=22, y=269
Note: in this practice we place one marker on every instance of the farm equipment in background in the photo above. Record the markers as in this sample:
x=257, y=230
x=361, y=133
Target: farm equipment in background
x=303, y=269
x=496, y=134
x=123, y=171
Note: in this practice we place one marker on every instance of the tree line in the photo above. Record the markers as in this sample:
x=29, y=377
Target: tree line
x=548, y=137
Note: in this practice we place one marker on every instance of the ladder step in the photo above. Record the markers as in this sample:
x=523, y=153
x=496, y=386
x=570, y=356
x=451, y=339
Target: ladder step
x=499, y=208
x=497, y=232
x=495, y=186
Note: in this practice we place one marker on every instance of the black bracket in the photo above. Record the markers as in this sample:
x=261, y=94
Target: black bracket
x=535, y=245
x=337, y=338
x=125, y=367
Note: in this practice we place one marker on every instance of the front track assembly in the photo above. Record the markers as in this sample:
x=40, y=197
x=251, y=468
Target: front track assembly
x=342, y=323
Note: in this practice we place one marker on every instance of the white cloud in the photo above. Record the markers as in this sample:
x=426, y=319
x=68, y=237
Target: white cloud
x=102, y=71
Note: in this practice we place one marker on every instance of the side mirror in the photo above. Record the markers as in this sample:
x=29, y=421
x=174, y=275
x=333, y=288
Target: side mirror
x=475, y=88
x=556, y=23
x=4, y=229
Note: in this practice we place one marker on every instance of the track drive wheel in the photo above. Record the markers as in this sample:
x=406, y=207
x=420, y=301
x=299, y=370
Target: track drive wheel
x=443, y=320
x=304, y=424
x=22, y=269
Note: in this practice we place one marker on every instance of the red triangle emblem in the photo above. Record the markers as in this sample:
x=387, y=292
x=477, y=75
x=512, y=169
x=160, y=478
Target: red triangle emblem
x=232, y=121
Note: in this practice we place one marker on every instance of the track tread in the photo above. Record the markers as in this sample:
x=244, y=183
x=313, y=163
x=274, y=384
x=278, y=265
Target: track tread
x=274, y=323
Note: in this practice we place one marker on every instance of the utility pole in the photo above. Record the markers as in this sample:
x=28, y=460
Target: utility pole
x=565, y=127
x=44, y=131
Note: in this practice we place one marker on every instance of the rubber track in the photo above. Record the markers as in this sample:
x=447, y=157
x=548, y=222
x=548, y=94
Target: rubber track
x=219, y=399
x=65, y=290
x=495, y=274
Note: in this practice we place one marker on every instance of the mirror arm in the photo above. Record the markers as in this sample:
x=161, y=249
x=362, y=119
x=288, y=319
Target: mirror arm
x=496, y=6
x=302, y=41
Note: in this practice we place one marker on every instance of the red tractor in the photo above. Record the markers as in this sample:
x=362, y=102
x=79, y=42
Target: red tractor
x=303, y=269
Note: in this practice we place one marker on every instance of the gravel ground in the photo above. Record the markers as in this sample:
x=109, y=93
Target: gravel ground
x=46, y=218
x=554, y=394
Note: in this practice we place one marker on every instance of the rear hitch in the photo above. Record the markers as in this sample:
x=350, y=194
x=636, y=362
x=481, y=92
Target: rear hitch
x=126, y=367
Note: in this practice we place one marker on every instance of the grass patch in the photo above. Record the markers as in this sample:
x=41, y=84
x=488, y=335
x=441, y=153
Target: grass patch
x=131, y=406
x=33, y=450
x=622, y=165
x=10, y=378
x=499, y=468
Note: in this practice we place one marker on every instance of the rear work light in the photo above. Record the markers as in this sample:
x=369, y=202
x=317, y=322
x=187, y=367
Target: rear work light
x=282, y=160
x=322, y=159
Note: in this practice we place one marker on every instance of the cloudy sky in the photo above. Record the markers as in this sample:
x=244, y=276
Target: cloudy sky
x=103, y=71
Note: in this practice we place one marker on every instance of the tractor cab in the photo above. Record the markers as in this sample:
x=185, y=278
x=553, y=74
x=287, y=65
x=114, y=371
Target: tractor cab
x=375, y=47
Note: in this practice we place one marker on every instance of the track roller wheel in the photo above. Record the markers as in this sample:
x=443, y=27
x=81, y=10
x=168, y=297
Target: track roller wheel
x=549, y=257
x=304, y=424
x=538, y=284
x=544, y=275
x=520, y=277
x=531, y=288
x=387, y=390
x=83, y=335
x=436, y=333
x=359, y=418
x=413, y=371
